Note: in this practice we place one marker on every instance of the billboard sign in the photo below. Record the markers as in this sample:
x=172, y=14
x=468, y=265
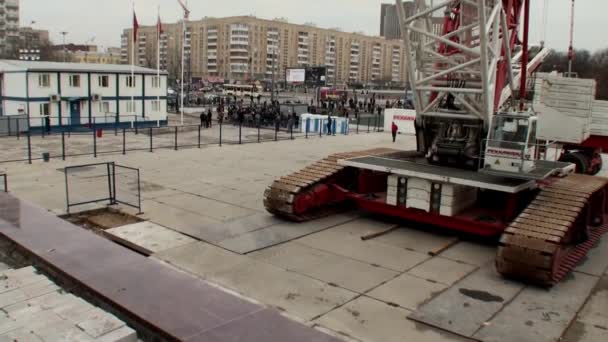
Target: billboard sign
x=316, y=76
x=295, y=75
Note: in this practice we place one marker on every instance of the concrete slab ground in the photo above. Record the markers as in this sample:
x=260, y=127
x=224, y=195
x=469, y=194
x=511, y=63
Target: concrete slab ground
x=373, y=320
x=549, y=312
x=35, y=309
x=591, y=323
x=467, y=306
x=147, y=237
x=324, y=274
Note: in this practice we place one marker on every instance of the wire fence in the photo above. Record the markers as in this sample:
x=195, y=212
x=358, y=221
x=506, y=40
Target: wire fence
x=102, y=182
x=62, y=145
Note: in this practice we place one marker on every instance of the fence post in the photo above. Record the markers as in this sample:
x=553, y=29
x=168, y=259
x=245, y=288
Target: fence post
x=94, y=143
x=368, y=120
x=139, y=192
x=333, y=127
x=176, y=138
x=114, y=180
x=276, y=132
x=151, y=150
x=291, y=131
x=124, y=138
x=358, y=118
x=320, y=128
x=67, y=190
x=258, y=131
x=29, y=147
x=375, y=124
x=307, y=126
x=111, y=175
x=43, y=129
x=18, y=129
x=9, y=125
x=221, y=124
x=240, y=131
x=199, y=136
x=62, y=145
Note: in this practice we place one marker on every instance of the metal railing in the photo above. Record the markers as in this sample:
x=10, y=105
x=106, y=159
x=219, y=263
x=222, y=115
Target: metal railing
x=19, y=125
x=516, y=152
x=55, y=145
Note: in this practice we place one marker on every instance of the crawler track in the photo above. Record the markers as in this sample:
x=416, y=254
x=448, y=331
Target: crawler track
x=551, y=236
x=281, y=198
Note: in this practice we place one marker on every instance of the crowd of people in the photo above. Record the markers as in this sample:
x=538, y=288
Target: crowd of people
x=251, y=113
x=260, y=114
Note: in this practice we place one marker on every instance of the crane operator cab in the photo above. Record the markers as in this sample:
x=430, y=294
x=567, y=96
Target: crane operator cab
x=511, y=144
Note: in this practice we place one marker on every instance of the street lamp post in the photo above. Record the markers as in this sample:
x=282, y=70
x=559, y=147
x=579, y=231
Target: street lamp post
x=274, y=57
x=65, y=51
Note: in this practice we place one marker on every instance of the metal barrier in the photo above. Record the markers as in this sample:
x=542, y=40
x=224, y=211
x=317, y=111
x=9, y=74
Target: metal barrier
x=96, y=142
x=102, y=182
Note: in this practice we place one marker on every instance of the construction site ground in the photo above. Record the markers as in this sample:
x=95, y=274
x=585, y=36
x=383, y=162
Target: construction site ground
x=205, y=217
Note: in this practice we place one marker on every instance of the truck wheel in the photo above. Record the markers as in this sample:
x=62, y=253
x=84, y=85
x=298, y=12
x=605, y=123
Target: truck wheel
x=579, y=159
x=597, y=168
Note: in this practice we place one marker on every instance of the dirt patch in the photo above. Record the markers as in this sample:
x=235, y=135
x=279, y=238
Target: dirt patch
x=99, y=220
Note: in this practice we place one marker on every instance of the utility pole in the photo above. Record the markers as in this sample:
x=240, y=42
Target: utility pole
x=184, y=7
x=65, y=50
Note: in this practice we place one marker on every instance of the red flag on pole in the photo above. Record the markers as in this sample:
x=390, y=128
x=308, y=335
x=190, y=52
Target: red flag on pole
x=159, y=27
x=135, y=26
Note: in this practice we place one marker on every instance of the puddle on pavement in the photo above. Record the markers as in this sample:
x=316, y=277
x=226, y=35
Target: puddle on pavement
x=481, y=295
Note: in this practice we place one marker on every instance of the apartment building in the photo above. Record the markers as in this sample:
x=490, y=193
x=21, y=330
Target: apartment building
x=389, y=20
x=246, y=47
x=9, y=24
x=109, y=56
x=32, y=38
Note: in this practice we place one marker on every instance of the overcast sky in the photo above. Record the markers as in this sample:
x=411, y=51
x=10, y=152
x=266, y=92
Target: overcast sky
x=105, y=19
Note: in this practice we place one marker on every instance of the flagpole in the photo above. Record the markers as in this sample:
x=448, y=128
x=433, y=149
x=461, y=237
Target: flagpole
x=134, y=39
x=158, y=58
x=183, y=62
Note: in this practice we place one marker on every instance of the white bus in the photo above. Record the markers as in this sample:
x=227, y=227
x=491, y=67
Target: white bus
x=240, y=90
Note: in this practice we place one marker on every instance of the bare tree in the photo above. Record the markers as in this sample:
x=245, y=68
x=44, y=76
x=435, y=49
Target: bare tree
x=585, y=65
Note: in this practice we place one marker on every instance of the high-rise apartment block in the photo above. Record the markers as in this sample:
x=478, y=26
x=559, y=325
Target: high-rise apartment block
x=246, y=47
x=389, y=19
x=9, y=24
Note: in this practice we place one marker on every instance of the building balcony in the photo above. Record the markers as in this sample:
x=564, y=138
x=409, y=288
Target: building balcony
x=239, y=58
x=240, y=44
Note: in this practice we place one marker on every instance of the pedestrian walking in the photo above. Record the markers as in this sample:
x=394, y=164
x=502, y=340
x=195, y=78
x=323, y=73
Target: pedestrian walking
x=209, y=116
x=328, y=124
x=203, y=119
x=394, y=130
